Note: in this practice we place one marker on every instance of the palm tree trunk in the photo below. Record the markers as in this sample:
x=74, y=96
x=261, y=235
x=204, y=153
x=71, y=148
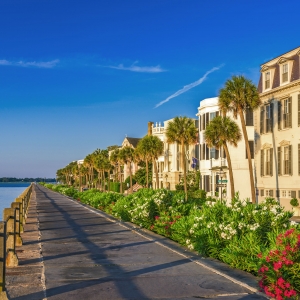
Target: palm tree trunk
x=253, y=196
x=130, y=176
x=103, y=180
x=230, y=170
x=156, y=173
x=120, y=176
x=108, y=181
x=184, y=169
x=147, y=174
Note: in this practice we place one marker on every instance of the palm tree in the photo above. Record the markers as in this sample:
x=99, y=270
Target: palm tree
x=143, y=152
x=220, y=132
x=89, y=163
x=126, y=155
x=117, y=161
x=182, y=130
x=238, y=95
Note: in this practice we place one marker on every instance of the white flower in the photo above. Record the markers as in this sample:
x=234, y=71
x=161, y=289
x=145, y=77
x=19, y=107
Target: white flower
x=188, y=242
x=191, y=247
x=195, y=225
x=191, y=231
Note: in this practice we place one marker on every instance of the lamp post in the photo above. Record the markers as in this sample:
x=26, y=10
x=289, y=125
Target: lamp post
x=221, y=173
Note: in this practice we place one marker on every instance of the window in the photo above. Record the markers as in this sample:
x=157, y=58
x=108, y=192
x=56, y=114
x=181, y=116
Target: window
x=266, y=118
x=251, y=145
x=284, y=77
x=269, y=193
x=285, y=160
x=212, y=115
x=285, y=113
x=212, y=152
x=267, y=80
x=249, y=117
x=269, y=161
x=289, y=194
x=266, y=162
x=283, y=193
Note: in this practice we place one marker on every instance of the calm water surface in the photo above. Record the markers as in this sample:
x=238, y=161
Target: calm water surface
x=9, y=192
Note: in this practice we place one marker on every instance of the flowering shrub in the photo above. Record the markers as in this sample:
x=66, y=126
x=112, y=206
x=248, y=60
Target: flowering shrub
x=280, y=267
x=234, y=233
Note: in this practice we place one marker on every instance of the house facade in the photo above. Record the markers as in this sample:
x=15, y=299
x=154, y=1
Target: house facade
x=277, y=131
x=169, y=165
x=213, y=162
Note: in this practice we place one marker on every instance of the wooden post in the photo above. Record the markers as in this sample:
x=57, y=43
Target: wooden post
x=9, y=215
x=18, y=239
x=20, y=200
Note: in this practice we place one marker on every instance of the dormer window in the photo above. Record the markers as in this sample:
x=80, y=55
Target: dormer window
x=284, y=75
x=267, y=80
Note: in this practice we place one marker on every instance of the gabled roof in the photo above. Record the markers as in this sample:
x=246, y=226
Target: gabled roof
x=132, y=141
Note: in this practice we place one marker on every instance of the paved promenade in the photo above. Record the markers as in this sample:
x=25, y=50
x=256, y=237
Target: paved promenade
x=83, y=254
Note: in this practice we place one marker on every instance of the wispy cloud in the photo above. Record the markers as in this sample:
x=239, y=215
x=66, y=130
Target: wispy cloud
x=37, y=64
x=189, y=86
x=135, y=68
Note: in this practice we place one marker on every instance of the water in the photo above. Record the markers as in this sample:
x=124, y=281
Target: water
x=9, y=191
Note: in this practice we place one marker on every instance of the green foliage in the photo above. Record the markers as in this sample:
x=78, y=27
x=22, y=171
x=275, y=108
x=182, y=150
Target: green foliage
x=141, y=177
x=127, y=180
x=115, y=187
x=294, y=202
x=192, y=181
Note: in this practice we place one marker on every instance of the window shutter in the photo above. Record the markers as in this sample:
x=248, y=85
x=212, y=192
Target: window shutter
x=290, y=112
x=207, y=152
x=262, y=163
x=299, y=110
x=271, y=117
x=203, y=124
x=271, y=193
x=262, y=111
x=279, y=160
x=262, y=192
x=271, y=162
x=207, y=119
x=279, y=115
x=293, y=194
x=217, y=153
x=217, y=113
x=298, y=194
x=290, y=160
x=277, y=193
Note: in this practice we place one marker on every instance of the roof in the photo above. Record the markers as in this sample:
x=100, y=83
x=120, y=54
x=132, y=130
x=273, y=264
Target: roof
x=133, y=141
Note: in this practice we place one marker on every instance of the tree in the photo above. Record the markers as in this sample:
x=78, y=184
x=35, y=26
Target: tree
x=89, y=163
x=116, y=160
x=219, y=132
x=126, y=155
x=238, y=95
x=182, y=130
x=144, y=152
x=152, y=147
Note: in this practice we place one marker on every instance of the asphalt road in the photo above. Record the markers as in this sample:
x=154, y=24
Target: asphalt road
x=87, y=256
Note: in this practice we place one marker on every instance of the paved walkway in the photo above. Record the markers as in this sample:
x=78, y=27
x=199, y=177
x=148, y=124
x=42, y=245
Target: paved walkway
x=86, y=255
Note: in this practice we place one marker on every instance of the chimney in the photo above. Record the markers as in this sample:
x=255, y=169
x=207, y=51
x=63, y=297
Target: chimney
x=150, y=128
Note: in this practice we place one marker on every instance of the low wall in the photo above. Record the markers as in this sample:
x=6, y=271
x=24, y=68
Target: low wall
x=11, y=227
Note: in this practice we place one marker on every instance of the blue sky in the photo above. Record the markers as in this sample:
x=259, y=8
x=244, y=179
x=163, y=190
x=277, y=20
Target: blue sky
x=80, y=75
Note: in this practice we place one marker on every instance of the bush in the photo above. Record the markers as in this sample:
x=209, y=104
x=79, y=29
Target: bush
x=280, y=267
x=294, y=202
